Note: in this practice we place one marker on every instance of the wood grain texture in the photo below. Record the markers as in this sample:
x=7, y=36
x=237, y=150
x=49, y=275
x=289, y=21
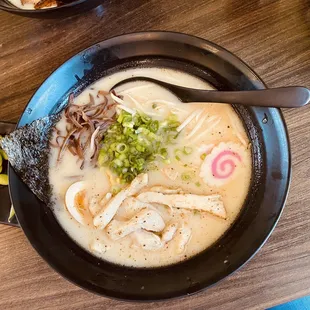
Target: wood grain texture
x=271, y=36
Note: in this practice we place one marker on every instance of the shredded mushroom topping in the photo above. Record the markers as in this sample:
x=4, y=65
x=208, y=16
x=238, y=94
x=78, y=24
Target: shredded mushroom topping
x=86, y=125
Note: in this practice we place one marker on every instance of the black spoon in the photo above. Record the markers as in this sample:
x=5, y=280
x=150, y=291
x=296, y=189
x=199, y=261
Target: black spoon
x=282, y=97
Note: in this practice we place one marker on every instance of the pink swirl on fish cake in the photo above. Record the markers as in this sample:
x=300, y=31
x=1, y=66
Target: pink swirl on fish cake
x=224, y=163
x=223, y=169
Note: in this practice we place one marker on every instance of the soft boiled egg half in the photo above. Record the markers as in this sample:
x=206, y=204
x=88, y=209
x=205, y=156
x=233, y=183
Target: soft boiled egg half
x=77, y=204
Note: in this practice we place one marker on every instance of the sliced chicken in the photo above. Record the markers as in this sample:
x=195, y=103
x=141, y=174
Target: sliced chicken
x=96, y=204
x=169, y=232
x=106, y=199
x=98, y=246
x=166, y=190
x=131, y=206
x=184, y=235
x=146, y=219
x=113, y=229
x=104, y=217
x=147, y=240
x=211, y=203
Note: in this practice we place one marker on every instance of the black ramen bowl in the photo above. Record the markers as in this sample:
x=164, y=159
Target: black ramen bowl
x=262, y=208
x=72, y=8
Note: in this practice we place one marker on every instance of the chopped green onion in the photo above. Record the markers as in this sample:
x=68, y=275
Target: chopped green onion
x=185, y=177
x=140, y=148
x=154, y=126
x=203, y=156
x=128, y=124
x=173, y=118
x=176, y=136
x=152, y=166
x=133, y=142
x=197, y=184
x=187, y=150
x=171, y=139
x=164, y=152
x=177, y=153
x=117, y=162
x=145, y=119
x=121, y=148
x=115, y=190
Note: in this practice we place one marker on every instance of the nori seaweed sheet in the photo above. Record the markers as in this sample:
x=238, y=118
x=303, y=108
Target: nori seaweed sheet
x=28, y=151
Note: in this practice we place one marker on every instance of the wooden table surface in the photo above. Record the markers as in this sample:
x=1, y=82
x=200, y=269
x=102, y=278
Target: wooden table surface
x=271, y=36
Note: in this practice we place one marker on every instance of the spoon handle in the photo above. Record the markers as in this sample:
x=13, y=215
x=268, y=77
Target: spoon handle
x=282, y=97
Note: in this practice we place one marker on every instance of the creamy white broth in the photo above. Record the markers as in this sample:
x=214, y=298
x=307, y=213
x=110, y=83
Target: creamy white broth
x=206, y=228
